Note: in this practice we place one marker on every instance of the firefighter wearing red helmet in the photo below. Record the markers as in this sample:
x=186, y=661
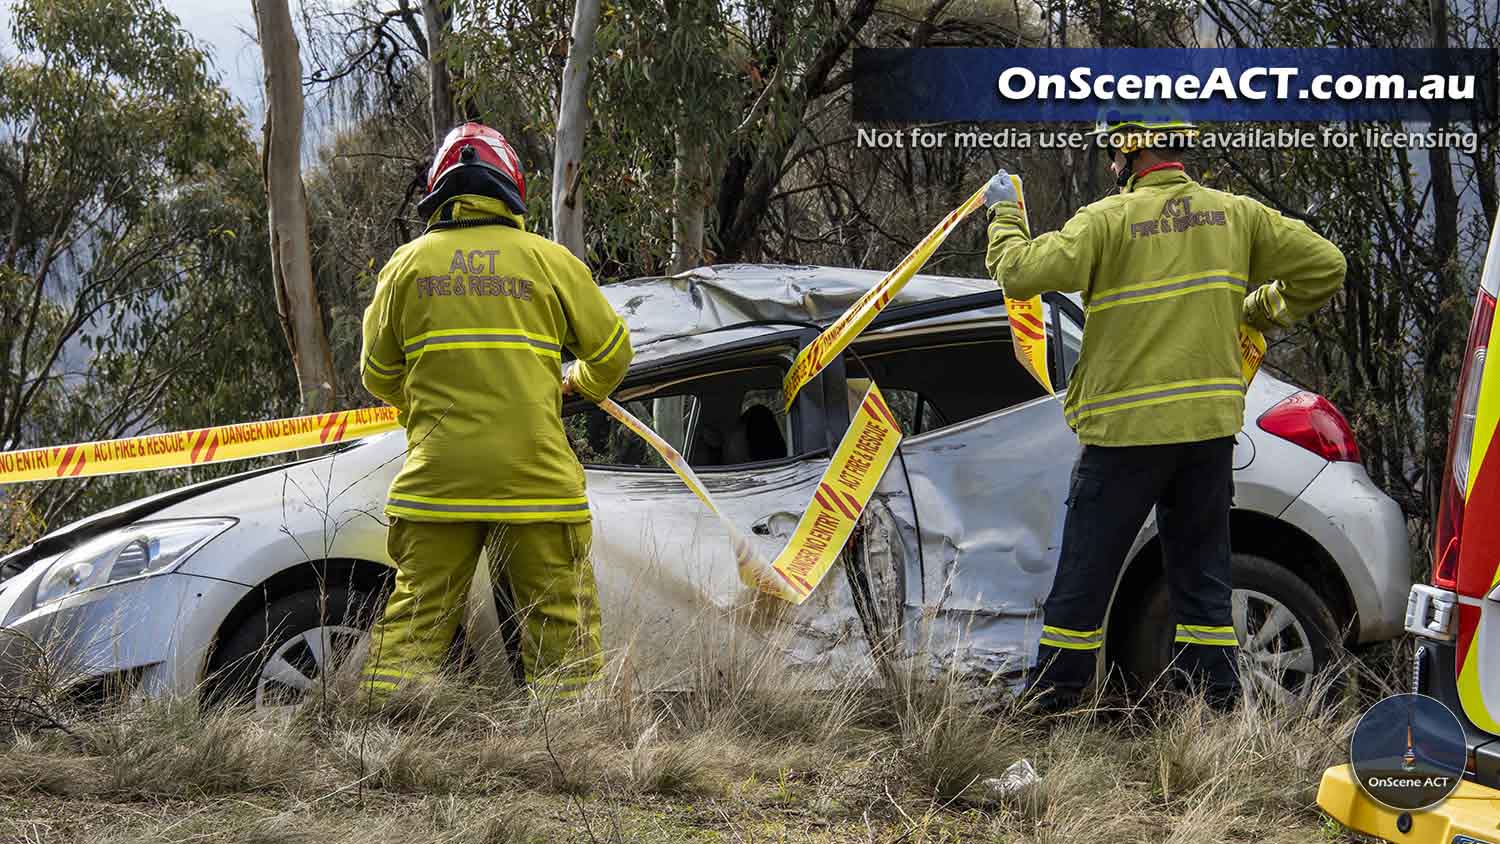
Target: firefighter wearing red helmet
x=465, y=338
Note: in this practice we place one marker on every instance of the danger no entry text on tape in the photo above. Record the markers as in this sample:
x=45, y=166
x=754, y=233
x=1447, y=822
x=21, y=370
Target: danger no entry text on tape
x=198, y=446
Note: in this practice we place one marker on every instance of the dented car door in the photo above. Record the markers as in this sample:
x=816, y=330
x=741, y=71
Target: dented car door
x=667, y=579
x=987, y=460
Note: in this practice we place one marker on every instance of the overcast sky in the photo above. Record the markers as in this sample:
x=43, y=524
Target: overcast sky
x=226, y=29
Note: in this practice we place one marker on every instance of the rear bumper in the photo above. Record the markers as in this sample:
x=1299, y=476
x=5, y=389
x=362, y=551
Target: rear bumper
x=1363, y=530
x=1470, y=816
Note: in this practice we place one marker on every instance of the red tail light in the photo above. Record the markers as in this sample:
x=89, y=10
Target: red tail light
x=1311, y=421
x=1450, y=520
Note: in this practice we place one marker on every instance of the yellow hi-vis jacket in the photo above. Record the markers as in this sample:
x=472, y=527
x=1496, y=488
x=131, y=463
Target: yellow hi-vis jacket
x=464, y=337
x=1164, y=268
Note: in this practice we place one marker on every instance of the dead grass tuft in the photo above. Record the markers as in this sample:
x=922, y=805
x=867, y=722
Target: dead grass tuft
x=437, y=819
x=947, y=743
x=1243, y=757
x=26, y=769
x=682, y=766
x=171, y=749
x=559, y=760
x=391, y=760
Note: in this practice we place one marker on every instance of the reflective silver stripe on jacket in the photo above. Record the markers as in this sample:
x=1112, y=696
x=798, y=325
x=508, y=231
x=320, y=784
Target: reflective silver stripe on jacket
x=609, y=346
x=1182, y=389
x=379, y=369
x=476, y=337
x=439, y=507
x=1170, y=287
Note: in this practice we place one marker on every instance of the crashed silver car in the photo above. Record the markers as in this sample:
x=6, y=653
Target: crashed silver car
x=252, y=585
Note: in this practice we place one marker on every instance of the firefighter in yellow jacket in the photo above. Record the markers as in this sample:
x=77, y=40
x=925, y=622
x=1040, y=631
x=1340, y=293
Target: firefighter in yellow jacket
x=465, y=337
x=1167, y=269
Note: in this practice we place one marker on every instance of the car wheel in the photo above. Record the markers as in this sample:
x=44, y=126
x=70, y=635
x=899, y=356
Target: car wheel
x=1287, y=633
x=280, y=653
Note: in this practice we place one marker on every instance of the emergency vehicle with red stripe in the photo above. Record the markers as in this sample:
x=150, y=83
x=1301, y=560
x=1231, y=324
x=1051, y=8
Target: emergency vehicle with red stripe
x=1456, y=616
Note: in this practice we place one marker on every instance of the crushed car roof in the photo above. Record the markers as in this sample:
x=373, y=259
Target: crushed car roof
x=708, y=298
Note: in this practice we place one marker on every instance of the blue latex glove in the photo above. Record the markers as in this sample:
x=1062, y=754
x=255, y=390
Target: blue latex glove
x=1000, y=189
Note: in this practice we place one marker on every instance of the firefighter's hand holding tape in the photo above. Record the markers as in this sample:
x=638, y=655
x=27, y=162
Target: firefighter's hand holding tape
x=1000, y=189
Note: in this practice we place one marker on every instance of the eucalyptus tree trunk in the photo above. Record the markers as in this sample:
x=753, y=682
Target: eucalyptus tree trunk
x=439, y=80
x=690, y=198
x=572, y=126
x=291, y=249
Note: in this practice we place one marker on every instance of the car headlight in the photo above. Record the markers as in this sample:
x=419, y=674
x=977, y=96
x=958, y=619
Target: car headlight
x=140, y=550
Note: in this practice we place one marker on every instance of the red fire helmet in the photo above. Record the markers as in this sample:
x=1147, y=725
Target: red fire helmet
x=475, y=159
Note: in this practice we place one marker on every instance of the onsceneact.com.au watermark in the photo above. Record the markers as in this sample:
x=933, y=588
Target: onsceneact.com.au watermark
x=1300, y=137
x=1331, y=86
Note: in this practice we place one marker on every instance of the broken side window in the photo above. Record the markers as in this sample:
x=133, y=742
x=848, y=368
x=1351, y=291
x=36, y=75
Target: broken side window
x=720, y=419
x=933, y=382
x=599, y=440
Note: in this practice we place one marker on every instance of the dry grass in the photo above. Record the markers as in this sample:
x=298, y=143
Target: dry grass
x=748, y=753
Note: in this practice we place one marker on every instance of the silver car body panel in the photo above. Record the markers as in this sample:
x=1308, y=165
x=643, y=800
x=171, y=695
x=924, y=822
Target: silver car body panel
x=163, y=625
x=1365, y=533
x=663, y=561
x=990, y=495
x=324, y=509
x=668, y=582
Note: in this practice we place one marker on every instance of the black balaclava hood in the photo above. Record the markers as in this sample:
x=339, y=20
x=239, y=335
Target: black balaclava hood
x=476, y=179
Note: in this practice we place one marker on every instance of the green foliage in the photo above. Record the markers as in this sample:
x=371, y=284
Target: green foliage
x=663, y=81
x=1388, y=349
x=362, y=197
x=718, y=78
x=135, y=293
x=120, y=102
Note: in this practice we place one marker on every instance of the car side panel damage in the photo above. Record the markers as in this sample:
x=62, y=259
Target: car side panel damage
x=990, y=496
x=668, y=581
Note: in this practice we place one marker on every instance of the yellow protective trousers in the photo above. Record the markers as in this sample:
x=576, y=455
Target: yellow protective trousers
x=545, y=591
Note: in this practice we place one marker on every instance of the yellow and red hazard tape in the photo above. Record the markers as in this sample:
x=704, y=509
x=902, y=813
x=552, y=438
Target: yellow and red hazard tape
x=837, y=337
x=858, y=463
x=865, y=451
x=1252, y=352
x=194, y=447
x=1028, y=334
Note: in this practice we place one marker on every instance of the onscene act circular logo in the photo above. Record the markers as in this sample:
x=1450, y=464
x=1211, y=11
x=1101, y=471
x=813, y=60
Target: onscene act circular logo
x=1408, y=752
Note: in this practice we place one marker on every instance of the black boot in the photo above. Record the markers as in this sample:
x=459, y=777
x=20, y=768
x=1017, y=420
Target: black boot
x=1043, y=699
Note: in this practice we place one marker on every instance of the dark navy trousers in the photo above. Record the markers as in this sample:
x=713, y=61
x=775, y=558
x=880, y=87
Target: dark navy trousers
x=1112, y=492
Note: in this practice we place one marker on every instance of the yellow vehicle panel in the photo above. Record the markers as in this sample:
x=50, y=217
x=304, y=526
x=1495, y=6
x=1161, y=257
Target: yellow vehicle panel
x=1471, y=815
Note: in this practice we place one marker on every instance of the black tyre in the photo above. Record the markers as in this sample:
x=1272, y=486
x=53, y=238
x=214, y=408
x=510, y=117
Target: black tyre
x=1287, y=633
x=280, y=651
